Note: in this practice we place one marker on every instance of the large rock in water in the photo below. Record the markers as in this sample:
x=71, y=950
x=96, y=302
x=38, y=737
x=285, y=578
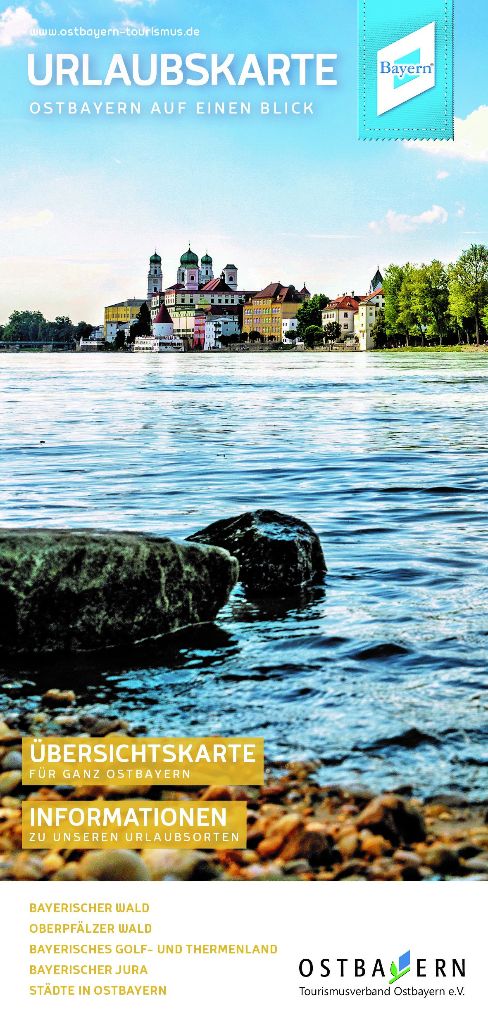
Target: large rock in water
x=276, y=553
x=67, y=590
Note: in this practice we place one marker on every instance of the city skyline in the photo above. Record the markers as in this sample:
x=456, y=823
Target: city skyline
x=293, y=199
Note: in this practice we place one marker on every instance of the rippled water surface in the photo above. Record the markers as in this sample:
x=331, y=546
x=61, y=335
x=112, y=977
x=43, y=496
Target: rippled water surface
x=381, y=674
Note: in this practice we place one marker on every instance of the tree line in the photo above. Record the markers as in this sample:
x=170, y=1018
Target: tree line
x=434, y=303
x=32, y=328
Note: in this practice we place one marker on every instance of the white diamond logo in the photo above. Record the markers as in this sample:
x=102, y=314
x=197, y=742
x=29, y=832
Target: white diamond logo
x=406, y=68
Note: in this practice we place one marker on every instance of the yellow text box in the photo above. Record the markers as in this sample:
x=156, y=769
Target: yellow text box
x=134, y=824
x=136, y=761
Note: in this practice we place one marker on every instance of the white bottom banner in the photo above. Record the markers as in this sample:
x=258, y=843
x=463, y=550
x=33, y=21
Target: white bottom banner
x=228, y=953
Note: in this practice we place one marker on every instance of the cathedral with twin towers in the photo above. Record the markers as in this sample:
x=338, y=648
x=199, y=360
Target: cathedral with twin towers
x=193, y=275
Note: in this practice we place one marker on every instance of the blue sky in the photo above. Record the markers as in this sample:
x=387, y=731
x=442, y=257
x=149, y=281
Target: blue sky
x=84, y=201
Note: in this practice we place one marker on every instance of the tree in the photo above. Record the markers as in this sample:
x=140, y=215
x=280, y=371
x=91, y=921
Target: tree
x=313, y=336
x=142, y=326
x=120, y=341
x=409, y=318
x=310, y=312
x=244, y=336
x=291, y=335
x=430, y=289
x=468, y=287
x=378, y=330
x=392, y=283
x=59, y=331
x=255, y=336
x=24, y=326
x=332, y=331
x=82, y=330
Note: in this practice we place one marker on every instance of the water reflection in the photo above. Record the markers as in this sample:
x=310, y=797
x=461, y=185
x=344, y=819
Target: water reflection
x=384, y=454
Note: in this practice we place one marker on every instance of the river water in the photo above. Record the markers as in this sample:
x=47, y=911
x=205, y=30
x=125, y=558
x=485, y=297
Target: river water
x=381, y=674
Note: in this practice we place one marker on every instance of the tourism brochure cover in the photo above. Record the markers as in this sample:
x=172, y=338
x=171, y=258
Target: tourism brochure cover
x=243, y=593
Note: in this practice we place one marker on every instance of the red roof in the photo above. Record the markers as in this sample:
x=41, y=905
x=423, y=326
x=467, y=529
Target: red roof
x=372, y=295
x=163, y=316
x=345, y=302
x=217, y=284
x=279, y=292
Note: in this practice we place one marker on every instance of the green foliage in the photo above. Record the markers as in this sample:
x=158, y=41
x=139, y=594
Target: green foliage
x=83, y=330
x=120, y=341
x=409, y=322
x=468, y=288
x=392, y=283
x=310, y=313
x=431, y=299
x=426, y=302
x=378, y=330
x=332, y=331
x=25, y=326
x=313, y=336
x=31, y=328
x=142, y=327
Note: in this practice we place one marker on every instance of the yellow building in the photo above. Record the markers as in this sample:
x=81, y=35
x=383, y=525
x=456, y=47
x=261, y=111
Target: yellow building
x=265, y=312
x=120, y=315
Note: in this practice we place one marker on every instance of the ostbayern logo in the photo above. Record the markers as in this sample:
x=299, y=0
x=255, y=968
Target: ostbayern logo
x=406, y=68
x=403, y=967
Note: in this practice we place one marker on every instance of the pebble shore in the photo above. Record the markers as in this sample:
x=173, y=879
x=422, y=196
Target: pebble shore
x=298, y=829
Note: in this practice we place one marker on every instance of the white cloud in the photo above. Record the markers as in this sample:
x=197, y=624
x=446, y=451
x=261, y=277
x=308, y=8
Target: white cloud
x=470, y=139
x=135, y=3
x=400, y=223
x=460, y=209
x=130, y=23
x=16, y=25
x=441, y=175
x=45, y=9
x=23, y=221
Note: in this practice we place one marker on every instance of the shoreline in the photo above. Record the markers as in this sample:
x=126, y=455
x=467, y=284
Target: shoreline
x=470, y=347
x=298, y=829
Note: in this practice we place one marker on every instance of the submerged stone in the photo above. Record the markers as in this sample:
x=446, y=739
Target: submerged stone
x=276, y=553
x=81, y=590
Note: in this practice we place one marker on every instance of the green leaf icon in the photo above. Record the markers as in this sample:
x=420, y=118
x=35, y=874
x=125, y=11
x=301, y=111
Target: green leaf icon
x=394, y=970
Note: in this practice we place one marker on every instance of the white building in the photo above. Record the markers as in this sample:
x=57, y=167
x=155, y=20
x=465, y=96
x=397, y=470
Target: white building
x=94, y=343
x=218, y=327
x=288, y=324
x=113, y=327
x=342, y=311
x=366, y=316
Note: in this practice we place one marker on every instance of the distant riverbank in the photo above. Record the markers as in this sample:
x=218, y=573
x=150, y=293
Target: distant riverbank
x=257, y=350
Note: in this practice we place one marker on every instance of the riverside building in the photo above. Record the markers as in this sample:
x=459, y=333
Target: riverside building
x=120, y=315
x=196, y=289
x=265, y=311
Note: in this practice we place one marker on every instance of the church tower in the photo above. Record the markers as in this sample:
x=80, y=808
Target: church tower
x=154, y=278
x=230, y=275
x=206, y=269
x=377, y=281
x=188, y=271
